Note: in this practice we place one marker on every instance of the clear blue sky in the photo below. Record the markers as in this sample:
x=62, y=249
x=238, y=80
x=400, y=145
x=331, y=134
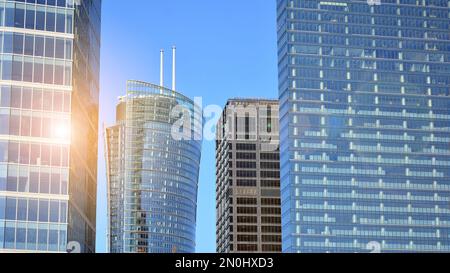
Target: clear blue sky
x=225, y=49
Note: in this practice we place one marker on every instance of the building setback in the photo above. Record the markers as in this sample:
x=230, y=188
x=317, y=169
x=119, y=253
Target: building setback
x=365, y=125
x=49, y=96
x=248, y=178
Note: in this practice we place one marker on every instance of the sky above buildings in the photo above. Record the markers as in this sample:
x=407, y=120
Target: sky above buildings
x=225, y=49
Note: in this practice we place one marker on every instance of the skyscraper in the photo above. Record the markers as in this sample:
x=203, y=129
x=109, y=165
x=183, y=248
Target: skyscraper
x=248, y=177
x=365, y=125
x=48, y=124
x=153, y=171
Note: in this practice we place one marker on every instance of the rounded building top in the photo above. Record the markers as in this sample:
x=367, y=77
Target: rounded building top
x=137, y=89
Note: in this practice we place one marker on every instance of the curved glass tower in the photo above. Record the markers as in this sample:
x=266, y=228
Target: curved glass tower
x=153, y=175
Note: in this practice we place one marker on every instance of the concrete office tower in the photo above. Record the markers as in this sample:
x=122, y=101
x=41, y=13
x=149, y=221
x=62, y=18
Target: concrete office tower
x=49, y=96
x=365, y=125
x=248, y=177
x=153, y=175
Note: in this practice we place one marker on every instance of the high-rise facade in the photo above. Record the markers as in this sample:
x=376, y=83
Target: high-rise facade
x=248, y=177
x=365, y=125
x=49, y=92
x=153, y=171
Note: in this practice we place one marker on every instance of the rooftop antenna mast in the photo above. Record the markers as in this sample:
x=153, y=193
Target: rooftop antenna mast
x=174, y=67
x=161, y=73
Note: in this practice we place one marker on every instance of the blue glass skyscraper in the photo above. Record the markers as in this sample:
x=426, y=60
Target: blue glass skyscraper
x=153, y=161
x=365, y=125
x=49, y=96
x=152, y=175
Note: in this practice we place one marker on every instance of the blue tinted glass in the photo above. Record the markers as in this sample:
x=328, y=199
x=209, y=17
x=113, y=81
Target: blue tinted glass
x=11, y=208
x=19, y=17
x=32, y=210
x=43, y=211
x=42, y=239
x=2, y=235
x=10, y=237
x=364, y=147
x=31, y=238
x=2, y=207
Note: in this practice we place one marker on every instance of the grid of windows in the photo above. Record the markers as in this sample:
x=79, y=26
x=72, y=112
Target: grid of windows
x=53, y=16
x=365, y=125
x=44, y=98
x=35, y=59
x=248, y=169
x=159, y=199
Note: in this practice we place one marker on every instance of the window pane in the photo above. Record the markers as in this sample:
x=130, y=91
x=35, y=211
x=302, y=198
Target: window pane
x=25, y=153
x=63, y=212
x=17, y=68
x=50, y=21
x=26, y=98
x=29, y=45
x=28, y=70
x=37, y=99
x=46, y=127
x=55, y=184
x=25, y=126
x=10, y=212
x=34, y=182
x=16, y=97
x=13, y=153
x=4, y=119
x=54, y=211
x=43, y=211
x=60, y=22
x=22, y=210
x=49, y=47
x=44, y=183
x=53, y=240
x=3, y=175
x=14, y=125
x=23, y=181
x=9, y=15
x=48, y=73
x=59, y=48
x=5, y=97
x=19, y=17
x=31, y=238
x=10, y=237
x=8, y=43
x=35, y=154
x=11, y=180
x=36, y=127
x=56, y=156
x=57, y=101
x=29, y=18
x=6, y=67
x=32, y=210
x=39, y=46
x=38, y=72
x=18, y=43
x=48, y=100
x=40, y=18
x=2, y=207
x=42, y=239
x=3, y=152
x=45, y=155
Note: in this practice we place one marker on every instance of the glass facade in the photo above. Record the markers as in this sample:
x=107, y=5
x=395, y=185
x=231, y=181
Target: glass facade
x=365, y=125
x=152, y=176
x=49, y=71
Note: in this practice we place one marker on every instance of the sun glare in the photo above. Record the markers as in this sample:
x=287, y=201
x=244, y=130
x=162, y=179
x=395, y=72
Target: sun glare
x=61, y=131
